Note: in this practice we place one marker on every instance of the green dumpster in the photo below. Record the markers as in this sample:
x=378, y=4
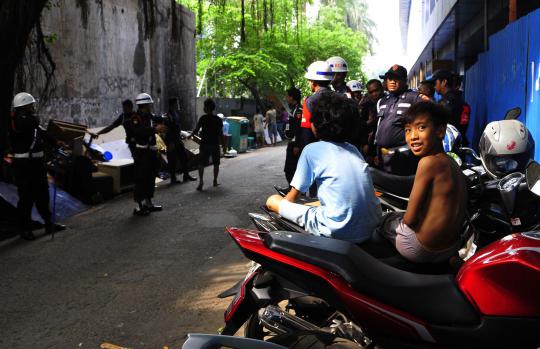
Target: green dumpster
x=238, y=129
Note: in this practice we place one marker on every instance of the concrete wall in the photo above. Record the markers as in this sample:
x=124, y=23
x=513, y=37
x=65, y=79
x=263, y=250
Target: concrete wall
x=110, y=50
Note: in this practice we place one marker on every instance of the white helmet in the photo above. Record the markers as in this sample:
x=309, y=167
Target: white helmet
x=355, y=85
x=22, y=99
x=505, y=146
x=144, y=98
x=338, y=64
x=319, y=71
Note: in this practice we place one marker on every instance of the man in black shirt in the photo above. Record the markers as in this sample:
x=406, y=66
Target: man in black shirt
x=175, y=146
x=124, y=120
x=452, y=99
x=29, y=171
x=211, y=137
x=368, y=112
x=294, y=132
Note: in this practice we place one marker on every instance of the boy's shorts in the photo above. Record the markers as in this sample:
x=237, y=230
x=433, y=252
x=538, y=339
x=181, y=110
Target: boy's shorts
x=296, y=213
x=407, y=244
x=209, y=150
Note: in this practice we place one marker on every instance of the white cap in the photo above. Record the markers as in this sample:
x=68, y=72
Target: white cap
x=338, y=64
x=319, y=71
x=22, y=99
x=144, y=98
x=355, y=85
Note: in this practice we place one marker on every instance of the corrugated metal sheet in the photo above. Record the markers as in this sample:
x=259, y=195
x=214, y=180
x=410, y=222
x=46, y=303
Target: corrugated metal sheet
x=507, y=70
x=505, y=77
x=533, y=81
x=475, y=95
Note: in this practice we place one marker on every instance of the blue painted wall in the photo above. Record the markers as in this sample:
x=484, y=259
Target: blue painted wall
x=507, y=76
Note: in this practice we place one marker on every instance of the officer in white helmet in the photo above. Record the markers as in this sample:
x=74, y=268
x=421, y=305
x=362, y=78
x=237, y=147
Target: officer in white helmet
x=144, y=127
x=319, y=75
x=30, y=174
x=339, y=68
x=355, y=90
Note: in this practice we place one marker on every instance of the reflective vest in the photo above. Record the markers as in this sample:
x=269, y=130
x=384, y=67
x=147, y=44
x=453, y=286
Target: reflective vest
x=306, y=115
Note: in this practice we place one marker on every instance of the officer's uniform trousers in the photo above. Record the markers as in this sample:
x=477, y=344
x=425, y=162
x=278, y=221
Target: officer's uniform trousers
x=30, y=175
x=146, y=169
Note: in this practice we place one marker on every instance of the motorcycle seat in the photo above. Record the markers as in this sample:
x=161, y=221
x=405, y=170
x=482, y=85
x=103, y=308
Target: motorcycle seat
x=382, y=249
x=433, y=298
x=394, y=184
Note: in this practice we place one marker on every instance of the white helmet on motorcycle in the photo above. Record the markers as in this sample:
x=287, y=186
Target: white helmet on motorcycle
x=22, y=99
x=319, y=71
x=144, y=98
x=505, y=146
x=355, y=85
x=338, y=64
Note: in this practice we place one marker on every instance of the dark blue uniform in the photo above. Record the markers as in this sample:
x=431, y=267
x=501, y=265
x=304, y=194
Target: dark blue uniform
x=390, y=137
x=29, y=171
x=294, y=132
x=145, y=155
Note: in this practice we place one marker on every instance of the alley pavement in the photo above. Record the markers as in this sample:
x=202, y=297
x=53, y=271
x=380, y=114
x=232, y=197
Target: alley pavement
x=113, y=279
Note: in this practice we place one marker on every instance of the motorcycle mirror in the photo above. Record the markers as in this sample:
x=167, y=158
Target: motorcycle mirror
x=532, y=174
x=470, y=151
x=508, y=188
x=513, y=114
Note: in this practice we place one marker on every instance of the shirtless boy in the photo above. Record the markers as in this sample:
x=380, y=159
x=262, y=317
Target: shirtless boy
x=429, y=230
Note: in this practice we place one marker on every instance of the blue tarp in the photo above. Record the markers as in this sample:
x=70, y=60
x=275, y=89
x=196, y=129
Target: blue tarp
x=505, y=77
x=66, y=205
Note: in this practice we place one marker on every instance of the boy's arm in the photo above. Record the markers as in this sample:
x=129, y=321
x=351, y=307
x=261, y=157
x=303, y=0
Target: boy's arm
x=292, y=195
x=197, y=128
x=422, y=184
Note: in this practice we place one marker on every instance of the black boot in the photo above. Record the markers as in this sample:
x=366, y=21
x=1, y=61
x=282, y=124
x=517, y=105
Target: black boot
x=188, y=178
x=27, y=235
x=174, y=180
x=141, y=210
x=51, y=228
x=151, y=207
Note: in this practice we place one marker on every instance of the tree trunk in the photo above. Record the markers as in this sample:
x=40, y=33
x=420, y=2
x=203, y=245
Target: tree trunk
x=243, y=23
x=255, y=92
x=265, y=16
x=17, y=19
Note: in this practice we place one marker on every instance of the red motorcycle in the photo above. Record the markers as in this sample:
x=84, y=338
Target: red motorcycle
x=302, y=284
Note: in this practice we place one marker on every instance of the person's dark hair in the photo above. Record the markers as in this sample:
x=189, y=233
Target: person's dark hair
x=323, y=83
x=294, y=93
x=430, y=86
x=334, y=117
x=210, y=104
x=375, y=81
x=437, y=113
x=127, y=103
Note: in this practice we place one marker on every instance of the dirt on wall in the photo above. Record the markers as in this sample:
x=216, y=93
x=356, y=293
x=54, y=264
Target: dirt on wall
x=106, y=51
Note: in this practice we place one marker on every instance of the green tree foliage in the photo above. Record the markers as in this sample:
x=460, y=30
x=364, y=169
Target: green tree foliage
x=263, y=47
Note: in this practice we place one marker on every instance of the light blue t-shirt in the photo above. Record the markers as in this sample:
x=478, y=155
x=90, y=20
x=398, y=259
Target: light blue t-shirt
x=349, y=208
x=225, y=127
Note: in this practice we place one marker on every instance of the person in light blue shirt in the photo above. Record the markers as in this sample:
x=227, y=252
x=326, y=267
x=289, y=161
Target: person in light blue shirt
x=348, y=208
